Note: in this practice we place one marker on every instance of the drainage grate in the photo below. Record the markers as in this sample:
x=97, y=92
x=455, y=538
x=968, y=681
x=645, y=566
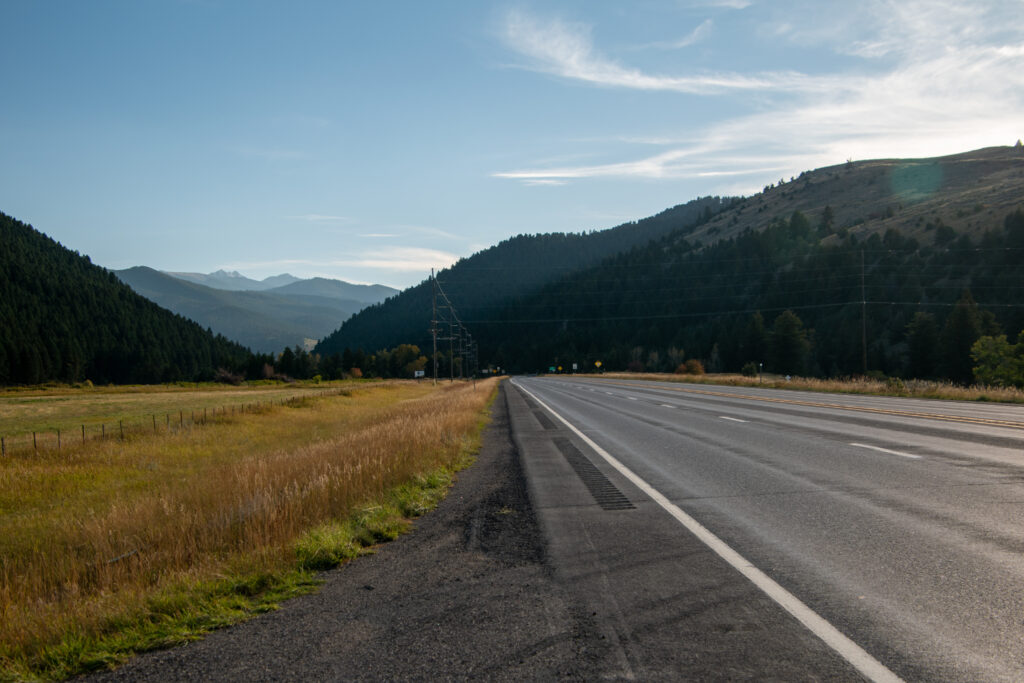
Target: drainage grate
x=544, y=420
x=604, y=492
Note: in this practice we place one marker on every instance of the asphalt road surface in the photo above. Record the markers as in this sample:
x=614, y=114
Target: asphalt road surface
x=894, y=528
x=617, y=530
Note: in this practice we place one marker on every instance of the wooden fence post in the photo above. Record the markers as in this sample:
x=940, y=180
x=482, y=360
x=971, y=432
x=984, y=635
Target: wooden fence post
x=3, y=447
x=58, y=441
x=35, y=447
x=120, y=424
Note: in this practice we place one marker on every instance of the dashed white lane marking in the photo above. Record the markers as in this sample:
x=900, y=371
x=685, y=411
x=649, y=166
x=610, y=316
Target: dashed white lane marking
x=631, y=398
x=857, y=656
x=730, y=419
x=609, y=393
x=886, y=450
x=665, y=405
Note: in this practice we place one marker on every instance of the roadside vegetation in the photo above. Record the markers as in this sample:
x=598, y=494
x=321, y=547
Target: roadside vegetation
x=884, y=386
x=114, y=547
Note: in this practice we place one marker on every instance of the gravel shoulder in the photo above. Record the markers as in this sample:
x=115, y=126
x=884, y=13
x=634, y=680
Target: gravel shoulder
x=467, y=594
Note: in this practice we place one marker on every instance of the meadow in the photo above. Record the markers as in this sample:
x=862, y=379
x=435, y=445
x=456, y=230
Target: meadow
x=87, y=412
x=115, y=546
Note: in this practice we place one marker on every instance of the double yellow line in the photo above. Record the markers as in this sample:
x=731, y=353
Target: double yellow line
x=836, y=406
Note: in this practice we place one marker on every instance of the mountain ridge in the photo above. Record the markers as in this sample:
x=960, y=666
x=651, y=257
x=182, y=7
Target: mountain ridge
x=265, y=321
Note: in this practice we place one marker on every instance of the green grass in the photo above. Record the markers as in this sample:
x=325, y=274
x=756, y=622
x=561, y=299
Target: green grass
x=58, y=512
x=187, y=611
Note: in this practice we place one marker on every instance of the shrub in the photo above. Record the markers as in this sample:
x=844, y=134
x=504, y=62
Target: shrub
x=694, y=367
x=749, y=369
x=227, y=377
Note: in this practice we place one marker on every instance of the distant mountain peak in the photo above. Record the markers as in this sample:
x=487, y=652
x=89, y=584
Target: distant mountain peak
x=229, y=273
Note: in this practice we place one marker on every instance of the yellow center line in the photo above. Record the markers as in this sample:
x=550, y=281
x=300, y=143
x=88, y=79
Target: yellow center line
x=837, y=406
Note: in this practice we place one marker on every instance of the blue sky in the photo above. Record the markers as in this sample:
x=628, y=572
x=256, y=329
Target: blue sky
x=373, y=141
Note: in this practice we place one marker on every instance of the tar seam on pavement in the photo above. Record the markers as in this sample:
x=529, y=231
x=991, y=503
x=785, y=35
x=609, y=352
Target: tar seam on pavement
x=605, y=493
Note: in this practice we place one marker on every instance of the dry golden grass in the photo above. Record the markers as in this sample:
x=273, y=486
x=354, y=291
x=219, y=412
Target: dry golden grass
x=855, y=385
x=89, y=535
x=47, y=409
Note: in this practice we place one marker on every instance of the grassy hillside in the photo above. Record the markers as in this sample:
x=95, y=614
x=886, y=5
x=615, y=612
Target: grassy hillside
x=968, y=193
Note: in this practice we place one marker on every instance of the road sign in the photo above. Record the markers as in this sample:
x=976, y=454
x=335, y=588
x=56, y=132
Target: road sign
x=574, y=368
x=419, y=373
x=551, y=369
x=597, y=363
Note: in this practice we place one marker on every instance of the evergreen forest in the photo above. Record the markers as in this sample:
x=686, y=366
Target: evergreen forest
x=63, y=318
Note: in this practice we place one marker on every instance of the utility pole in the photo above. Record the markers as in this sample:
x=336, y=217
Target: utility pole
x=863, y=318
x=433, y=319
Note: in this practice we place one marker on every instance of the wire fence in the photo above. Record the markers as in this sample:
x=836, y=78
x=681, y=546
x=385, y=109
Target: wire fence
x=165, y=423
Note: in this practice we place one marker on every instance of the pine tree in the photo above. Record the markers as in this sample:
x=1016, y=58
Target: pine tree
x=789, y=346
x=962, y=329
x=922, y=345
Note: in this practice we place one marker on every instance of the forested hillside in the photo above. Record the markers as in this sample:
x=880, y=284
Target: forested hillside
x=891, y=266
x=782, y=296
x=63, y=318
x=484, y=282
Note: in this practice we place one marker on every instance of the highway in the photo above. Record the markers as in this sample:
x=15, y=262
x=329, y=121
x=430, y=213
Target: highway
x=896, y=523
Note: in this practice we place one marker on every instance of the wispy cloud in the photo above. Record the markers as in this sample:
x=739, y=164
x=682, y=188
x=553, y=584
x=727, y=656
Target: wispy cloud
x=727, y=4
x=402, y=259
x=933, y=77
x=397, y=259
x=692, y=38
x=550, y=182
x=566, y=50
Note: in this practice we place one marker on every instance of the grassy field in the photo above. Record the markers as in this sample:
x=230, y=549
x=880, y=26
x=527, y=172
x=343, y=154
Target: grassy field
x=45, y=410
x=857, y=385
x=116, y=546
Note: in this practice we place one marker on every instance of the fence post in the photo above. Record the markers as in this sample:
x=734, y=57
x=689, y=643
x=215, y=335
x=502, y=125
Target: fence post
x=154, y=424
x=58, y=441
x=34, y=446
x=120, y=424
x=103, y=431
x=83, y=435
x=3, y=447
x=181, y=418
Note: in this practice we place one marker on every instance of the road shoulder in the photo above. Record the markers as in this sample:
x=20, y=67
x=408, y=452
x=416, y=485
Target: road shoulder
x=467, y=594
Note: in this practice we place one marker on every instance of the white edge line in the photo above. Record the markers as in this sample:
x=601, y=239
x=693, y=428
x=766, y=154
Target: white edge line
x=886, y=450
x=846, y=648
x=731, y=419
